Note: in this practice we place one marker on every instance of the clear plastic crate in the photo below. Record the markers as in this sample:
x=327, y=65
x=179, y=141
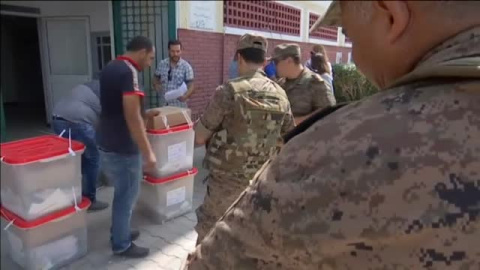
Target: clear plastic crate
x=166, y=198
x=40, y=175
x=173, y=149
x=49, y=242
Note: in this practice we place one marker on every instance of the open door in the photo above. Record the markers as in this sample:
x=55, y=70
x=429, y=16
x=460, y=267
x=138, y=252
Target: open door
x=66, y=56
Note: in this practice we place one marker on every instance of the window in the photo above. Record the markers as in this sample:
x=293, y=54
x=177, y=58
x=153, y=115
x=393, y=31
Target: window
x=328, y=33
x=339, y=58
x=101, y=52
x=267, y=16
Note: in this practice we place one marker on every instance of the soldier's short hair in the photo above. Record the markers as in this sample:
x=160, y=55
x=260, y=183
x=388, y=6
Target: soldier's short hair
x=252, y=55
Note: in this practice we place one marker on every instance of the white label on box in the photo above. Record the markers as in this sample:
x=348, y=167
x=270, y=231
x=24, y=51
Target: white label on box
x=176, y=196
x=177, y=152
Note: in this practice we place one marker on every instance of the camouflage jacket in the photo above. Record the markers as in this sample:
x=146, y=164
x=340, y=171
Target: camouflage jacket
x=307, y=93
x=389, y=182
x=247, y=116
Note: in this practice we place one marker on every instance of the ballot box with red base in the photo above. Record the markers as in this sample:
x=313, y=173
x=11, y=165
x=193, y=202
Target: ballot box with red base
x=49, y=242
x=173, y=148
x=165, y=198
x=40, y=175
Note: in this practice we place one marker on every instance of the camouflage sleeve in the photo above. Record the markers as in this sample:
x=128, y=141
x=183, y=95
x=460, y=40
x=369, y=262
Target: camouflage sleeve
x=340, y=196
x=262, y=229
x=322, y=96
x=288, y=122
x=219, y=106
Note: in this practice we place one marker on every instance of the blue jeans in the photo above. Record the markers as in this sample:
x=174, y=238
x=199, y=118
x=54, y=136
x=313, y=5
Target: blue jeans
x=84, y=133
x=125, y=171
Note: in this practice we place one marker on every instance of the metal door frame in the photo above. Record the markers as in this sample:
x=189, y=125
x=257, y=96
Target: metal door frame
x=124, y=13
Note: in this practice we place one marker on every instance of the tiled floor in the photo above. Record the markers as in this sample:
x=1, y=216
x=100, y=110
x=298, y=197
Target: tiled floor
x=169, y=243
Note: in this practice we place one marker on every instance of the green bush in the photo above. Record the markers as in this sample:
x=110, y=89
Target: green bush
x=350, y=84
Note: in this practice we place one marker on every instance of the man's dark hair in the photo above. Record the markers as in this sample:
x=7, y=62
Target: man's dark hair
x=173, y=43
x=140, y=43
x=252, y=55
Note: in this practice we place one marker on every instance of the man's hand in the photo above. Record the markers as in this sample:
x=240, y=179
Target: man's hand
x=157, y=85
x=149, y=163
x=183, y=98
x=152, y=113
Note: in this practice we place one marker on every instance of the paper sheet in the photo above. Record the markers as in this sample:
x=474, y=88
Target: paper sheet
x=174, y=94
x=176, y=196
x=56, y=252
x=177, y=152
x=37, y=203
x=50, y=202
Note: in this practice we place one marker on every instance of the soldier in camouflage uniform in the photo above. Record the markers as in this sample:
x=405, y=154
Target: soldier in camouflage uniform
x=243, y=125
x=306, y=90
x=388, y=182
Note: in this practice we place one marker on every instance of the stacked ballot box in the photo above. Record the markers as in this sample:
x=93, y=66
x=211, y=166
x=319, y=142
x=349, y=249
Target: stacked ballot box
x=165, y=198
x=40, y=191
x=167, y=192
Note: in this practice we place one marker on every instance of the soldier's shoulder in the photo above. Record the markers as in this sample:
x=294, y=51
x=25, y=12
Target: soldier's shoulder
x=225, y=90
x=314, y=77
x=395, y=109
x=281, y=82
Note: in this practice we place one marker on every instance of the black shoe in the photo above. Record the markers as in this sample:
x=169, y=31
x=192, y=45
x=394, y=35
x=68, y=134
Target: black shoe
x=134, y=251
x=97, y=206
x=134, y=234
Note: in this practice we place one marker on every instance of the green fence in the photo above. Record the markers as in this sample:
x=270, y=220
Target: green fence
x=154, y=19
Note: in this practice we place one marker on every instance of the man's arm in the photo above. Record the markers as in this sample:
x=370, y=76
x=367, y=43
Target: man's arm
x=157, y=84
x=189, y=76
x=136, y=126
x=132, y=98
x=288, y=122
x=214, y=114
x=191, y=88
x=322, y=97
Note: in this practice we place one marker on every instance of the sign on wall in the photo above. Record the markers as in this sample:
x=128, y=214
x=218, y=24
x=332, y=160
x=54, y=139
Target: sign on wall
x=203, y=14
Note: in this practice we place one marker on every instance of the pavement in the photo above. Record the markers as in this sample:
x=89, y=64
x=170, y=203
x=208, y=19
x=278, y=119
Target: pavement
x=169, y=243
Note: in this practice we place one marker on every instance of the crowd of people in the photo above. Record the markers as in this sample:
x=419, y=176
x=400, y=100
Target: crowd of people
x=295, y=180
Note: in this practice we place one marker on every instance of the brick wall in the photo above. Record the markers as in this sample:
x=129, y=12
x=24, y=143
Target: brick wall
x=203, y=50
x=210, y=55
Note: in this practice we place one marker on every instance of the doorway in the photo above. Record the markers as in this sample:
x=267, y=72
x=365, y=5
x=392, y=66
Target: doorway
x=21, y=78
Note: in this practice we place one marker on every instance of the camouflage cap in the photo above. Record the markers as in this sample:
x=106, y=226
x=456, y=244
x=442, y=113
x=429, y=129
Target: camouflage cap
x=332, y=17
x=252, y=41
x=286, y=50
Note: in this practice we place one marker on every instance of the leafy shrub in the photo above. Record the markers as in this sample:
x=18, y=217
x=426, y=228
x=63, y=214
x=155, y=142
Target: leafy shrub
x=350, y=84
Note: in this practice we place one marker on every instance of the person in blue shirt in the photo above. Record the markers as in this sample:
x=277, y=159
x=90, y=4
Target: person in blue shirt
x=233, y=71
x=271, y=70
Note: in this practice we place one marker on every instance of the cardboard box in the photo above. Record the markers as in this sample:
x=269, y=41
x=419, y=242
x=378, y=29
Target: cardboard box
x=169, y=117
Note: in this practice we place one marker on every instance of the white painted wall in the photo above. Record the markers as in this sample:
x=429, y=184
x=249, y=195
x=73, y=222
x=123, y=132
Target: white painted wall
x=96, y=10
